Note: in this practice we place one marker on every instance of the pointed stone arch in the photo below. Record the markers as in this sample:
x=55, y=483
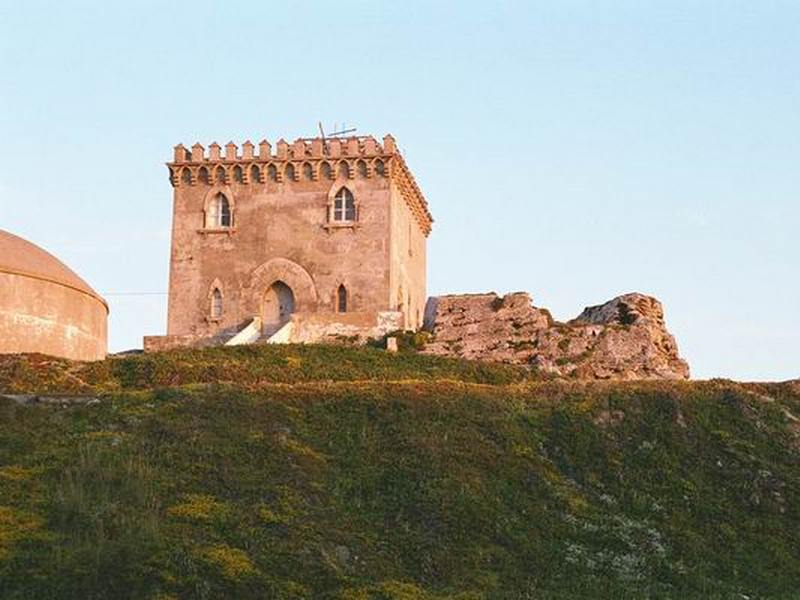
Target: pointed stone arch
x=220, y=175
x=325, y=170
x=253, y=173
x=308, y=171
x=238, y=174
x=288, y=272
x=186, y=176
x=203, y=175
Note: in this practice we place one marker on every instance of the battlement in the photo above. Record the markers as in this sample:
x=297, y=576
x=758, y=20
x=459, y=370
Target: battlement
x=310, y=159
x=300, y=149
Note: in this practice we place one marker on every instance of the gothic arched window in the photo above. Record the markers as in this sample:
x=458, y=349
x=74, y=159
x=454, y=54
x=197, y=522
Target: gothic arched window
x=341, y=299
x=344, y=206
x=216, y=304
x=255, y=174
x=308, y=172
x=272, y=173
x=362, y=168
x=219, y=212
x=238, y=174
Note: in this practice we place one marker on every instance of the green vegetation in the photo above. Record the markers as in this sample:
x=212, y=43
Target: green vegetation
x=245, y=366
x=378, y=477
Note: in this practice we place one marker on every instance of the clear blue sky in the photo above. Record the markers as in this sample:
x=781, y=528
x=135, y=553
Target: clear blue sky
x=574, y=149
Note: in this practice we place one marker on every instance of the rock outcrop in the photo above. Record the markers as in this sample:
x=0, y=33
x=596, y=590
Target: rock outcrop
x=625, y=338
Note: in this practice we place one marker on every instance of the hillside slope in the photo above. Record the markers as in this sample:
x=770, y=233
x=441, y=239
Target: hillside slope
x=353, y=474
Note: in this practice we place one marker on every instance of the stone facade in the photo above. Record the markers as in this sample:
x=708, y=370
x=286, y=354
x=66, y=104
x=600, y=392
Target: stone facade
x=332, y=226
x=625, y=338
x=45, y=307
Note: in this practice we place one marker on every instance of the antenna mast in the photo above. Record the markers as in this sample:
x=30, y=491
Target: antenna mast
x=336, y=132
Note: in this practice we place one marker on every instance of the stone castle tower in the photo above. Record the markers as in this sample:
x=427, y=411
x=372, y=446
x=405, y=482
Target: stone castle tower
x=327, y=235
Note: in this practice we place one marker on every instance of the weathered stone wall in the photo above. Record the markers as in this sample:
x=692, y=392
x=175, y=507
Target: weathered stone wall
x=357, y=327
x=408, y=276
x=37, y=315
x=625, y=338
x=283, y=221
x=282, y=232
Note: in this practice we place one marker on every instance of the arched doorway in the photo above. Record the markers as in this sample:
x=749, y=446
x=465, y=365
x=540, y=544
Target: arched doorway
x=277, y=307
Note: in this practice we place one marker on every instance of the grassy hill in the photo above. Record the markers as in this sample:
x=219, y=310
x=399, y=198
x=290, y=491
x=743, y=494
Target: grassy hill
x=351, y=474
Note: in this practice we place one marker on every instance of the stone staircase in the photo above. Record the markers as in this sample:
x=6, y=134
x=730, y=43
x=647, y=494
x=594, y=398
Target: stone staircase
x=252, y=333
x=249, y=335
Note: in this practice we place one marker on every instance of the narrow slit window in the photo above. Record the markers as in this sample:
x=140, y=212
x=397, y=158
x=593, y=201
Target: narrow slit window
x=216, y=304
x=341, y=299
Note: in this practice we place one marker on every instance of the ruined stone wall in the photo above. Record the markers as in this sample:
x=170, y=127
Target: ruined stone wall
x=625, y=338
x=37, y=315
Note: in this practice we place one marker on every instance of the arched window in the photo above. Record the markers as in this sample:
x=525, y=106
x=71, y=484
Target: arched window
x=216, y=304
x=272, y=173
x=289, y=172
x=220, y=175
x=380, y=168
x=202, y=175
x=238, y=175
x=362, y=168
x=344, y=206
x=344, y=169
x=255, y=174
x=186, y=176
x=308, y=172
x=341, y=299
x=219, y=212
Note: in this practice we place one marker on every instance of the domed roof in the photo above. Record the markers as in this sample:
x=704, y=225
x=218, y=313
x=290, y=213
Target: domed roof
x=21, y=257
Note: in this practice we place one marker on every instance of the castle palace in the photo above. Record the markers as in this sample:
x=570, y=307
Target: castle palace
x=322, y=238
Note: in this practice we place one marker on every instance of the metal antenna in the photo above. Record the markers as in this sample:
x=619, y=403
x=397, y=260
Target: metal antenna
x=336, y=131
x=343, y=131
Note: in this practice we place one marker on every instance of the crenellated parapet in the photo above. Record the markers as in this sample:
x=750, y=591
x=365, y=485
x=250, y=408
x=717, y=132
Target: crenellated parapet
x=306, y=159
